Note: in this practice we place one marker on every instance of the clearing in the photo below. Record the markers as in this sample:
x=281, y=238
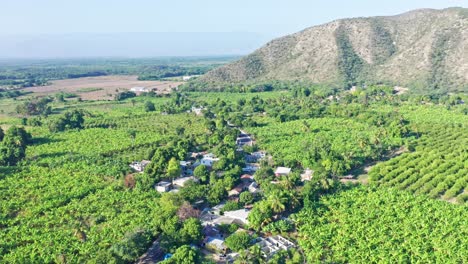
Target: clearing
x=102, y=87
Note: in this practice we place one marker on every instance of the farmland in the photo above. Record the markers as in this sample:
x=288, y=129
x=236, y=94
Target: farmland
x=100, y=88
x=73, y=198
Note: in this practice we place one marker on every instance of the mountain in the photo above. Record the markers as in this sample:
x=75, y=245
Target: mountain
x=422, y=49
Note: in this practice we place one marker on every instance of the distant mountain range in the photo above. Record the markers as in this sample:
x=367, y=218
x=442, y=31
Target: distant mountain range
x=130, y=44
x=423, y=49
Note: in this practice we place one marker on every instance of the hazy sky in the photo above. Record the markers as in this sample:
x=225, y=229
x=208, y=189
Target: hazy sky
x=47, y=28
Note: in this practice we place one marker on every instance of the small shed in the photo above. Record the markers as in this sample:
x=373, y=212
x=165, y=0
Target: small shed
x=163, y=186
x=282, y=171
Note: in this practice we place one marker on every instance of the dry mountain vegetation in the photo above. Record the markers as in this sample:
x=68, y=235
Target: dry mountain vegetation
x=422, y=49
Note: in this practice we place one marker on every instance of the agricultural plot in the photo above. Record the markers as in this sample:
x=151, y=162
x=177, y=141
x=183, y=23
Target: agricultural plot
x=366, y=225
x=437, y=167
x=67, y=201
x=100, y=88
x=338, y=144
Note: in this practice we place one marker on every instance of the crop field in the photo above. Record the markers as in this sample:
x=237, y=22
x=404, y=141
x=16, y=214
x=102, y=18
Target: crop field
x=366, y=225
x=69, y=201
x=100, y=88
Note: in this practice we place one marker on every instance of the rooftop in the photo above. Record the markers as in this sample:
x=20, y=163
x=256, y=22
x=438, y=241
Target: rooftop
x=282, y=170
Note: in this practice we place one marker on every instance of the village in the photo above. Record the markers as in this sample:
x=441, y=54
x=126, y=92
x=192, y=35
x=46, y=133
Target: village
x=217, y=218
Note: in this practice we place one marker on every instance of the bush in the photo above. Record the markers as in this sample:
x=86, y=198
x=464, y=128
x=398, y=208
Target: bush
x=238, y=241
x=231, y=206
x=149, y=106
x=133, y=245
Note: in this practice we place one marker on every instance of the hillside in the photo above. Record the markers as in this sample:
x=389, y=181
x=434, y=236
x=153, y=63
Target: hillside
x=423, y=49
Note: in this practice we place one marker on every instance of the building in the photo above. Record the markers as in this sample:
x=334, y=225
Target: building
x=238, y=216
x=271, y=245
x=255, y=156
x=182, y=181
x=238, y=189
x=139, y=165
x=198, y=110
x=186, y=167
x=247, y=178
x=215, y=244
x=282, y=171
x=250, y=167
x=307, y=175
x=163, y=186
x=253, y=188
x=208, y=160
x=244, y=141
x=139, y=90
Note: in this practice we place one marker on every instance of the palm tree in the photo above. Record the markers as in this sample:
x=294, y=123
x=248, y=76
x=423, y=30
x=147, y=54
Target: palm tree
x=277, y=202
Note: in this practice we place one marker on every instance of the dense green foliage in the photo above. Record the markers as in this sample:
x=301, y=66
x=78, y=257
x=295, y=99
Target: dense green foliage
x=13, y=145
x=365, y=225
x=73, y=197
x=436, y=166
x=25, y=73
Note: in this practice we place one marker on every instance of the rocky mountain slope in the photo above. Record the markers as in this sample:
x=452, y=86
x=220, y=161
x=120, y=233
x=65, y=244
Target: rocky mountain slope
x=423, y=49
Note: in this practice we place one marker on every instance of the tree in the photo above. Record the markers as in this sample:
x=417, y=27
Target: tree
x=13, y=146
x=149, y=106
x=2, y=134
x=246, y=198
x=184, y=255
x=132, y=245
x=277, y=202
x=238, y=241
x=191, y=231
x=260, y=215
x=216, y=192
x=173, y=169
x=187, y=211
x=202, y=173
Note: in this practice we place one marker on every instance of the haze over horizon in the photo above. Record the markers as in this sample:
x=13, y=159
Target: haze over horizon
x=57, y=29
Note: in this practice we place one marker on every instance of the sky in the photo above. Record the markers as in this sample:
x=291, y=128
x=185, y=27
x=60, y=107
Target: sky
x=34, y=21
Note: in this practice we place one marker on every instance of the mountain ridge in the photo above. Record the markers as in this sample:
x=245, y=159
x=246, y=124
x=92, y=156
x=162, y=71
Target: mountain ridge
x=424, y=49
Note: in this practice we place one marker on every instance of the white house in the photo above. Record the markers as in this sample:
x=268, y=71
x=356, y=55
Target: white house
x=239, y=215
x=282, y=171
x=253, y=188
x=208, y=160
x=139, y=89
x=307, y=175
x=181, y=182
x=197, y=110
x=163, y=186
x=139, y=166
x=271, y=245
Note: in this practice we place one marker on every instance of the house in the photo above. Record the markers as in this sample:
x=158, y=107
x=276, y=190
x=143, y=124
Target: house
x=139, y=90
x=215, y=244
x=244, y=141
x=208, y=160
x=239, y=216
x=186, y=167
x=198, y=110
x=188, y=77
x=247, y=178
x=163, y=186
x=253, y=188
x=238, y=189
x=250, y=167
x=255, y=156
x=307, y=175
x=272, y=245
x=139, y=166
x=282, y=171
x=182, y=181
